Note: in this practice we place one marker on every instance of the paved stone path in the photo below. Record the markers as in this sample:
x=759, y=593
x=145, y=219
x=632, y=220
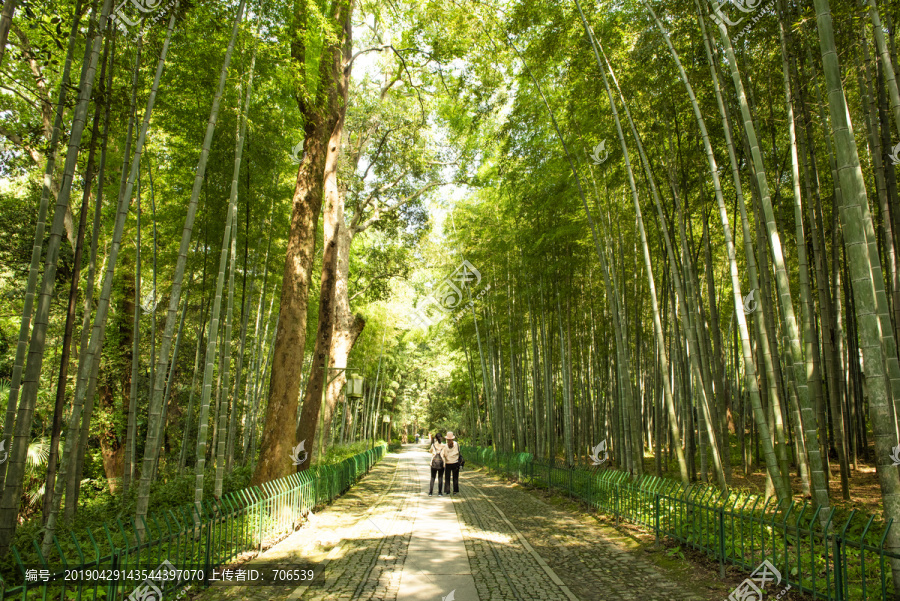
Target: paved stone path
x=386, y=539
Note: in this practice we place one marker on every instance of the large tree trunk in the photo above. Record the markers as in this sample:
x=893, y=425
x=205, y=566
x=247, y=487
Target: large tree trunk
x=333, y=218
x=342, y=342
x=112, y=452
x=6, y=17
x=347, y=327
x=290, y=339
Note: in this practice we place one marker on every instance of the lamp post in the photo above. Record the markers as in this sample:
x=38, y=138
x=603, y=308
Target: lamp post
x=353, y=390
x=325, y=382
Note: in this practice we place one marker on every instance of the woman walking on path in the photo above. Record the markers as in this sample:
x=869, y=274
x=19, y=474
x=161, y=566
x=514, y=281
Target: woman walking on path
x=450, y=455
x=437, y=465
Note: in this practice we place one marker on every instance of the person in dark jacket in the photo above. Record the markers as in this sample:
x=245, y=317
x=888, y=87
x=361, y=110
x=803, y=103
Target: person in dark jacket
x=437, y=465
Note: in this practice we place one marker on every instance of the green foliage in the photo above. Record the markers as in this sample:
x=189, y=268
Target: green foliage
x=449, y=154
x=337, y=453
x=248, y=525
x=97, y=504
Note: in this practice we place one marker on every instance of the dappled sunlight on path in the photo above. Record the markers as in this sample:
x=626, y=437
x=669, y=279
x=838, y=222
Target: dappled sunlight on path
x=386, y=539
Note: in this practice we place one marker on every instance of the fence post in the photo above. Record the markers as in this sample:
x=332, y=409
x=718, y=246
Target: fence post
x=590, y=487
x=259, y=522
x=113, y=582
x=838, y=569
x=722, y=542
x=208, y=545
x=616, y=505
x=656, y=516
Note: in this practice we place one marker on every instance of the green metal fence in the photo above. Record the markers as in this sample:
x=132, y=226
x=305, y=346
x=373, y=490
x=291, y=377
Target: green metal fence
x=109, y=562
x=829, y=554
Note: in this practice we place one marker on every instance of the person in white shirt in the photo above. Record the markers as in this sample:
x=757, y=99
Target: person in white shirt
x=451, y=457
x=437, y=465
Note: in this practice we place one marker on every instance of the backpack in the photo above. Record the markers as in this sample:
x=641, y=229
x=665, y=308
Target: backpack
x=437, y=462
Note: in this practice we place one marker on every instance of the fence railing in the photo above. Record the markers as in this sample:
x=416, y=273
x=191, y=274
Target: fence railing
x=831, y=555
x=116, y=559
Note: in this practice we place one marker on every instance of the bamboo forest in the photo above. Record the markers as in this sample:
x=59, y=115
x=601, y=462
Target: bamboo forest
x=621, y=277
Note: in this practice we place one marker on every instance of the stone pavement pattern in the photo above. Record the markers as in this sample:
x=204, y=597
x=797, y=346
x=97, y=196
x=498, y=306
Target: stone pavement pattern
x=386, y=539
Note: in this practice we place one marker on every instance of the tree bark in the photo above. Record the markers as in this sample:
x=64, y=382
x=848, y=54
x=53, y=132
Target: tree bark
x=6, y=17
x=347, y=327
x=290, y=338
x=333, y=218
